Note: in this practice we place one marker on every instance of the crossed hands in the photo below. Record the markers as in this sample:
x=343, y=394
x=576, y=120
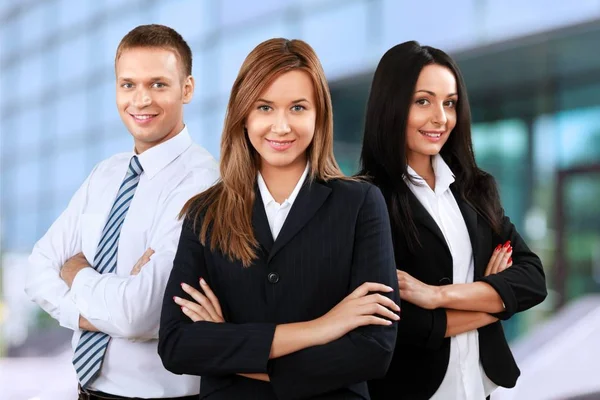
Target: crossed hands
x=428, y=296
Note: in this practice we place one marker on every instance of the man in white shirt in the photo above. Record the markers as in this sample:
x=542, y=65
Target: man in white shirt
x=102, y=267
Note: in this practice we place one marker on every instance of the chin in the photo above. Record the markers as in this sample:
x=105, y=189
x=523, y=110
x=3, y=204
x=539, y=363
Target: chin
x=280, y=161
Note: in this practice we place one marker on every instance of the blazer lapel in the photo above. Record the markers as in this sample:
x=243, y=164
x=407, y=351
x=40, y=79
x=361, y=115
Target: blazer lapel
x=310, y=198
x=261, y=223
x=470, y=216
x=422, y=216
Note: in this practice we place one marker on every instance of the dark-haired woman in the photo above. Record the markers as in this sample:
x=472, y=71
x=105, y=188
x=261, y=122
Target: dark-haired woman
x=462, y=265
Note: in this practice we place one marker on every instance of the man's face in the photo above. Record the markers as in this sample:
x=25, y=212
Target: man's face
x=151, y=92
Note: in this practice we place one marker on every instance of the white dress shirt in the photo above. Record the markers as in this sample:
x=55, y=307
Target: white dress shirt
x=465, y=378
x=277, y=213
x=125, y=307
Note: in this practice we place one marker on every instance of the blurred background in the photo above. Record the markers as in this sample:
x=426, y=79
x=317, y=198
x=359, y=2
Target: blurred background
x=532, y=70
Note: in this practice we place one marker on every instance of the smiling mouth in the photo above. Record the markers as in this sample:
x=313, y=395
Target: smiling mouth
x=280, y=143
x=434, y=135
x=143, y=117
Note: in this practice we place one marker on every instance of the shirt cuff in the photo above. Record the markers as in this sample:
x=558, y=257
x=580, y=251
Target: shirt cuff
x=80, y=287
x=68, y=314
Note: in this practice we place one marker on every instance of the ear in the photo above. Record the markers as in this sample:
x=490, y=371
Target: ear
x=188, y=89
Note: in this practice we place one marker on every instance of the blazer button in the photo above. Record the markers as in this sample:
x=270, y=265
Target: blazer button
x=273, y=277
x=445, y=281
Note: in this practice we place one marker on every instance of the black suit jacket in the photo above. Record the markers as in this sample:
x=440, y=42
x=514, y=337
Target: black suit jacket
x=422, y=353
x=336, y=237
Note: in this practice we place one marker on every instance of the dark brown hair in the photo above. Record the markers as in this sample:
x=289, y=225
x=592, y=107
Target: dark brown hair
x=383, y=155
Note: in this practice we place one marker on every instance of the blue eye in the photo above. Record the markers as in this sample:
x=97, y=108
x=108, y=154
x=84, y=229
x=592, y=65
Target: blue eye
x=159, y=85
x=126, y=85
x=264, y=108
x=298, y=108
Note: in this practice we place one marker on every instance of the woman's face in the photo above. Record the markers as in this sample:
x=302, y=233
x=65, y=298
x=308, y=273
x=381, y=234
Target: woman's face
x=432, y=113
x=281, y=124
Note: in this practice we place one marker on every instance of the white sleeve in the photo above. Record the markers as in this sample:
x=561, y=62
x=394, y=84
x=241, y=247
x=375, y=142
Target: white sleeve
x=129, y=306
x=61, y=242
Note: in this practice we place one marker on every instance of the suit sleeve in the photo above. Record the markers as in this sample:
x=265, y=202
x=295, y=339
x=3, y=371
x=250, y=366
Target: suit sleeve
x=422, y=327
x=366, y=352
x=206, y=348
x=523, y=285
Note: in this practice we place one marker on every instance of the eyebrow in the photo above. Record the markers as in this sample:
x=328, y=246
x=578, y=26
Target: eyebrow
x=153, y=79
x=261, y=100
x=433, y=94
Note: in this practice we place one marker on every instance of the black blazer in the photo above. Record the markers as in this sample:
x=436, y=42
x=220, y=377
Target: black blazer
x=336, y=237
x=422, y=353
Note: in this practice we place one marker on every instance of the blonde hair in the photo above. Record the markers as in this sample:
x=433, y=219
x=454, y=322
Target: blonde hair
x=226, y=208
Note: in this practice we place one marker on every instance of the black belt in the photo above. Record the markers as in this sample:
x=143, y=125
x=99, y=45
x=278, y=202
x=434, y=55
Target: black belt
x=97, y=395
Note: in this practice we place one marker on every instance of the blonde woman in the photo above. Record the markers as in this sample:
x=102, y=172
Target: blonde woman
x=284, y=282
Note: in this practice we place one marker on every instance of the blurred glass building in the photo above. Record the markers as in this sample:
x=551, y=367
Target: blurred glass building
x=532, y=70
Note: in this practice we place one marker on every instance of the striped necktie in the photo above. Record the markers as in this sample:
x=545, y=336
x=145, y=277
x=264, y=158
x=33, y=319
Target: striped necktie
x=92, y=346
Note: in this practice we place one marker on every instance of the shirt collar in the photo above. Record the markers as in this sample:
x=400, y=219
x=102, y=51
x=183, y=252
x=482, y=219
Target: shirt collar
x=444, y=176
x=156, y=158
x=266, y=195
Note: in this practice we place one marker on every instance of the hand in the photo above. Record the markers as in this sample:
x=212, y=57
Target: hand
x=207, y=307
x=500, y=260
x=418, y=293
x=73, y=265
x=142, y=261
x=359, y=308
x=86, y=325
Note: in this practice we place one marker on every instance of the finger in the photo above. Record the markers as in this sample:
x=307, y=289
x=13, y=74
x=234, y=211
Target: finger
x=136, y=268
x=367, y=287
x=378, y=309
x=373, y=320
x=191, y=315
x=500, y=260
x=379, y=299
x=201, y=299
x=507, y=257
x=211, y=296
x=194, y=307
x=492, y=261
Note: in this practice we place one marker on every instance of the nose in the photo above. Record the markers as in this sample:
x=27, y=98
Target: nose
x=280, y=125
x=439, y=116
x=141, y=98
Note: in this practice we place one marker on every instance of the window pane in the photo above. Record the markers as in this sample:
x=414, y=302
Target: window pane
x=73, y=59
x=192, y=19
x=501, y=150
x=69, y=15
x=434, y=29
x=71, y=115
x=236, y=46
x=330, y=33
x=236, y=11
x=33, y=25
x=32, y=73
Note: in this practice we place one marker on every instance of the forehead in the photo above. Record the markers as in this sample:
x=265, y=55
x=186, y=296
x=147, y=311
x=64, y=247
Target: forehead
x=436, y=78
x=148, y=61
x=291, y=85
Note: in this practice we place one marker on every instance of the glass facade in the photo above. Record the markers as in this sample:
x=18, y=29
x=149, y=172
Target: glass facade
x=534, y=117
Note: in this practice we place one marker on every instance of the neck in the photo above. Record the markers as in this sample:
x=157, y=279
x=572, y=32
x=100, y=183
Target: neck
x=281, y=181
x=141, y=146
x=421, y=164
